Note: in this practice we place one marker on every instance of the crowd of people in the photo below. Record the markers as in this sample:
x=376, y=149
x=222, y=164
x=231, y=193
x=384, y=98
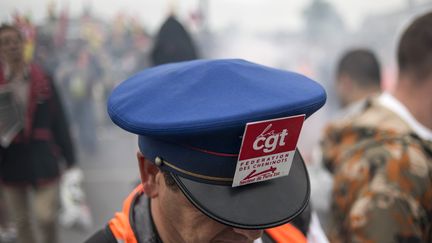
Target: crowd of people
x=82, y=65
x=73, y=64
x=376, y=153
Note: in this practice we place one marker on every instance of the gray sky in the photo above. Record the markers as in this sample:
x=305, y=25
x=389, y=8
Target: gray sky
x=248, y=15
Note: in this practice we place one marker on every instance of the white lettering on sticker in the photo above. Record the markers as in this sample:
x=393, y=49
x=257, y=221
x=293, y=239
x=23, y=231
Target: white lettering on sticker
x=269, y=140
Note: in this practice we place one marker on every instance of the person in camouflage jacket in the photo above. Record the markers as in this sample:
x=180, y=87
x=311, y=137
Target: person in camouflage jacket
x=382, y=179
x=381, y=158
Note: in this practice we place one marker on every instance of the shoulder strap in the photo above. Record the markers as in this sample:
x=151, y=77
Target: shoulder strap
x=303, y=220
x=286, y=233
x=102, y=236
x=266, y=238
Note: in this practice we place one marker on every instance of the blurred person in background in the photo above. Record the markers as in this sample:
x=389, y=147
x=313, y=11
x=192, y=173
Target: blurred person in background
x=173, y=43
x=30, y=165
x=358, y=78
x=381, y=157
x=80, y=78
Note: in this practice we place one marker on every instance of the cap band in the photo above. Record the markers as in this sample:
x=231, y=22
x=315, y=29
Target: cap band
x=205, y=177
x=211, y=152
x=202, y=165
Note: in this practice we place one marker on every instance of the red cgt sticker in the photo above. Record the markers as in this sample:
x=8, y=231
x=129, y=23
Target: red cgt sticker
x=267, y=149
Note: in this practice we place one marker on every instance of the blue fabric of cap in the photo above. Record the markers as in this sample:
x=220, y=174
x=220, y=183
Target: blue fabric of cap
x=193, y=114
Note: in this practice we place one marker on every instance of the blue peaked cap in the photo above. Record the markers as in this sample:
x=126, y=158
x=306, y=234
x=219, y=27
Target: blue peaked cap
x=206, y=104
x=192, y=115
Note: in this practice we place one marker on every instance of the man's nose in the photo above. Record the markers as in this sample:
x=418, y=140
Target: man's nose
x=250, y=234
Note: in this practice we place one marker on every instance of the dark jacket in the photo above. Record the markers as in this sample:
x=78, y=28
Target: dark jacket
x=34, y=155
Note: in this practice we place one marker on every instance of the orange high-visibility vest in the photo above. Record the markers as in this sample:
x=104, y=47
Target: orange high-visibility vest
x=286, y=233
x=120, y=225
x=122, y=229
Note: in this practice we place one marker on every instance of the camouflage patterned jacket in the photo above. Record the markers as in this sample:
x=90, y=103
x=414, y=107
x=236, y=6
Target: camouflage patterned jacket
x=382, y=179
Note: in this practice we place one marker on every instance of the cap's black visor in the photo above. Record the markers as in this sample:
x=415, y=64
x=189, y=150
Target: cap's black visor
x=255, y=206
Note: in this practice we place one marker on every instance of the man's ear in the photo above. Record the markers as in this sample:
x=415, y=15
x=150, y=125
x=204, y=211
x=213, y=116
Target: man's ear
x=148, y=173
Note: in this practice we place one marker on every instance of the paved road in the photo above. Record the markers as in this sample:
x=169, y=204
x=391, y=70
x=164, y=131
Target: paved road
x=109, y=177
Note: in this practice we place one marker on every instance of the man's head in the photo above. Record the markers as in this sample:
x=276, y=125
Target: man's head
x=11, y=44
x=358, y=76
x=414, y=53
x=180, y=220
x=414, y=56
x=203, y=139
